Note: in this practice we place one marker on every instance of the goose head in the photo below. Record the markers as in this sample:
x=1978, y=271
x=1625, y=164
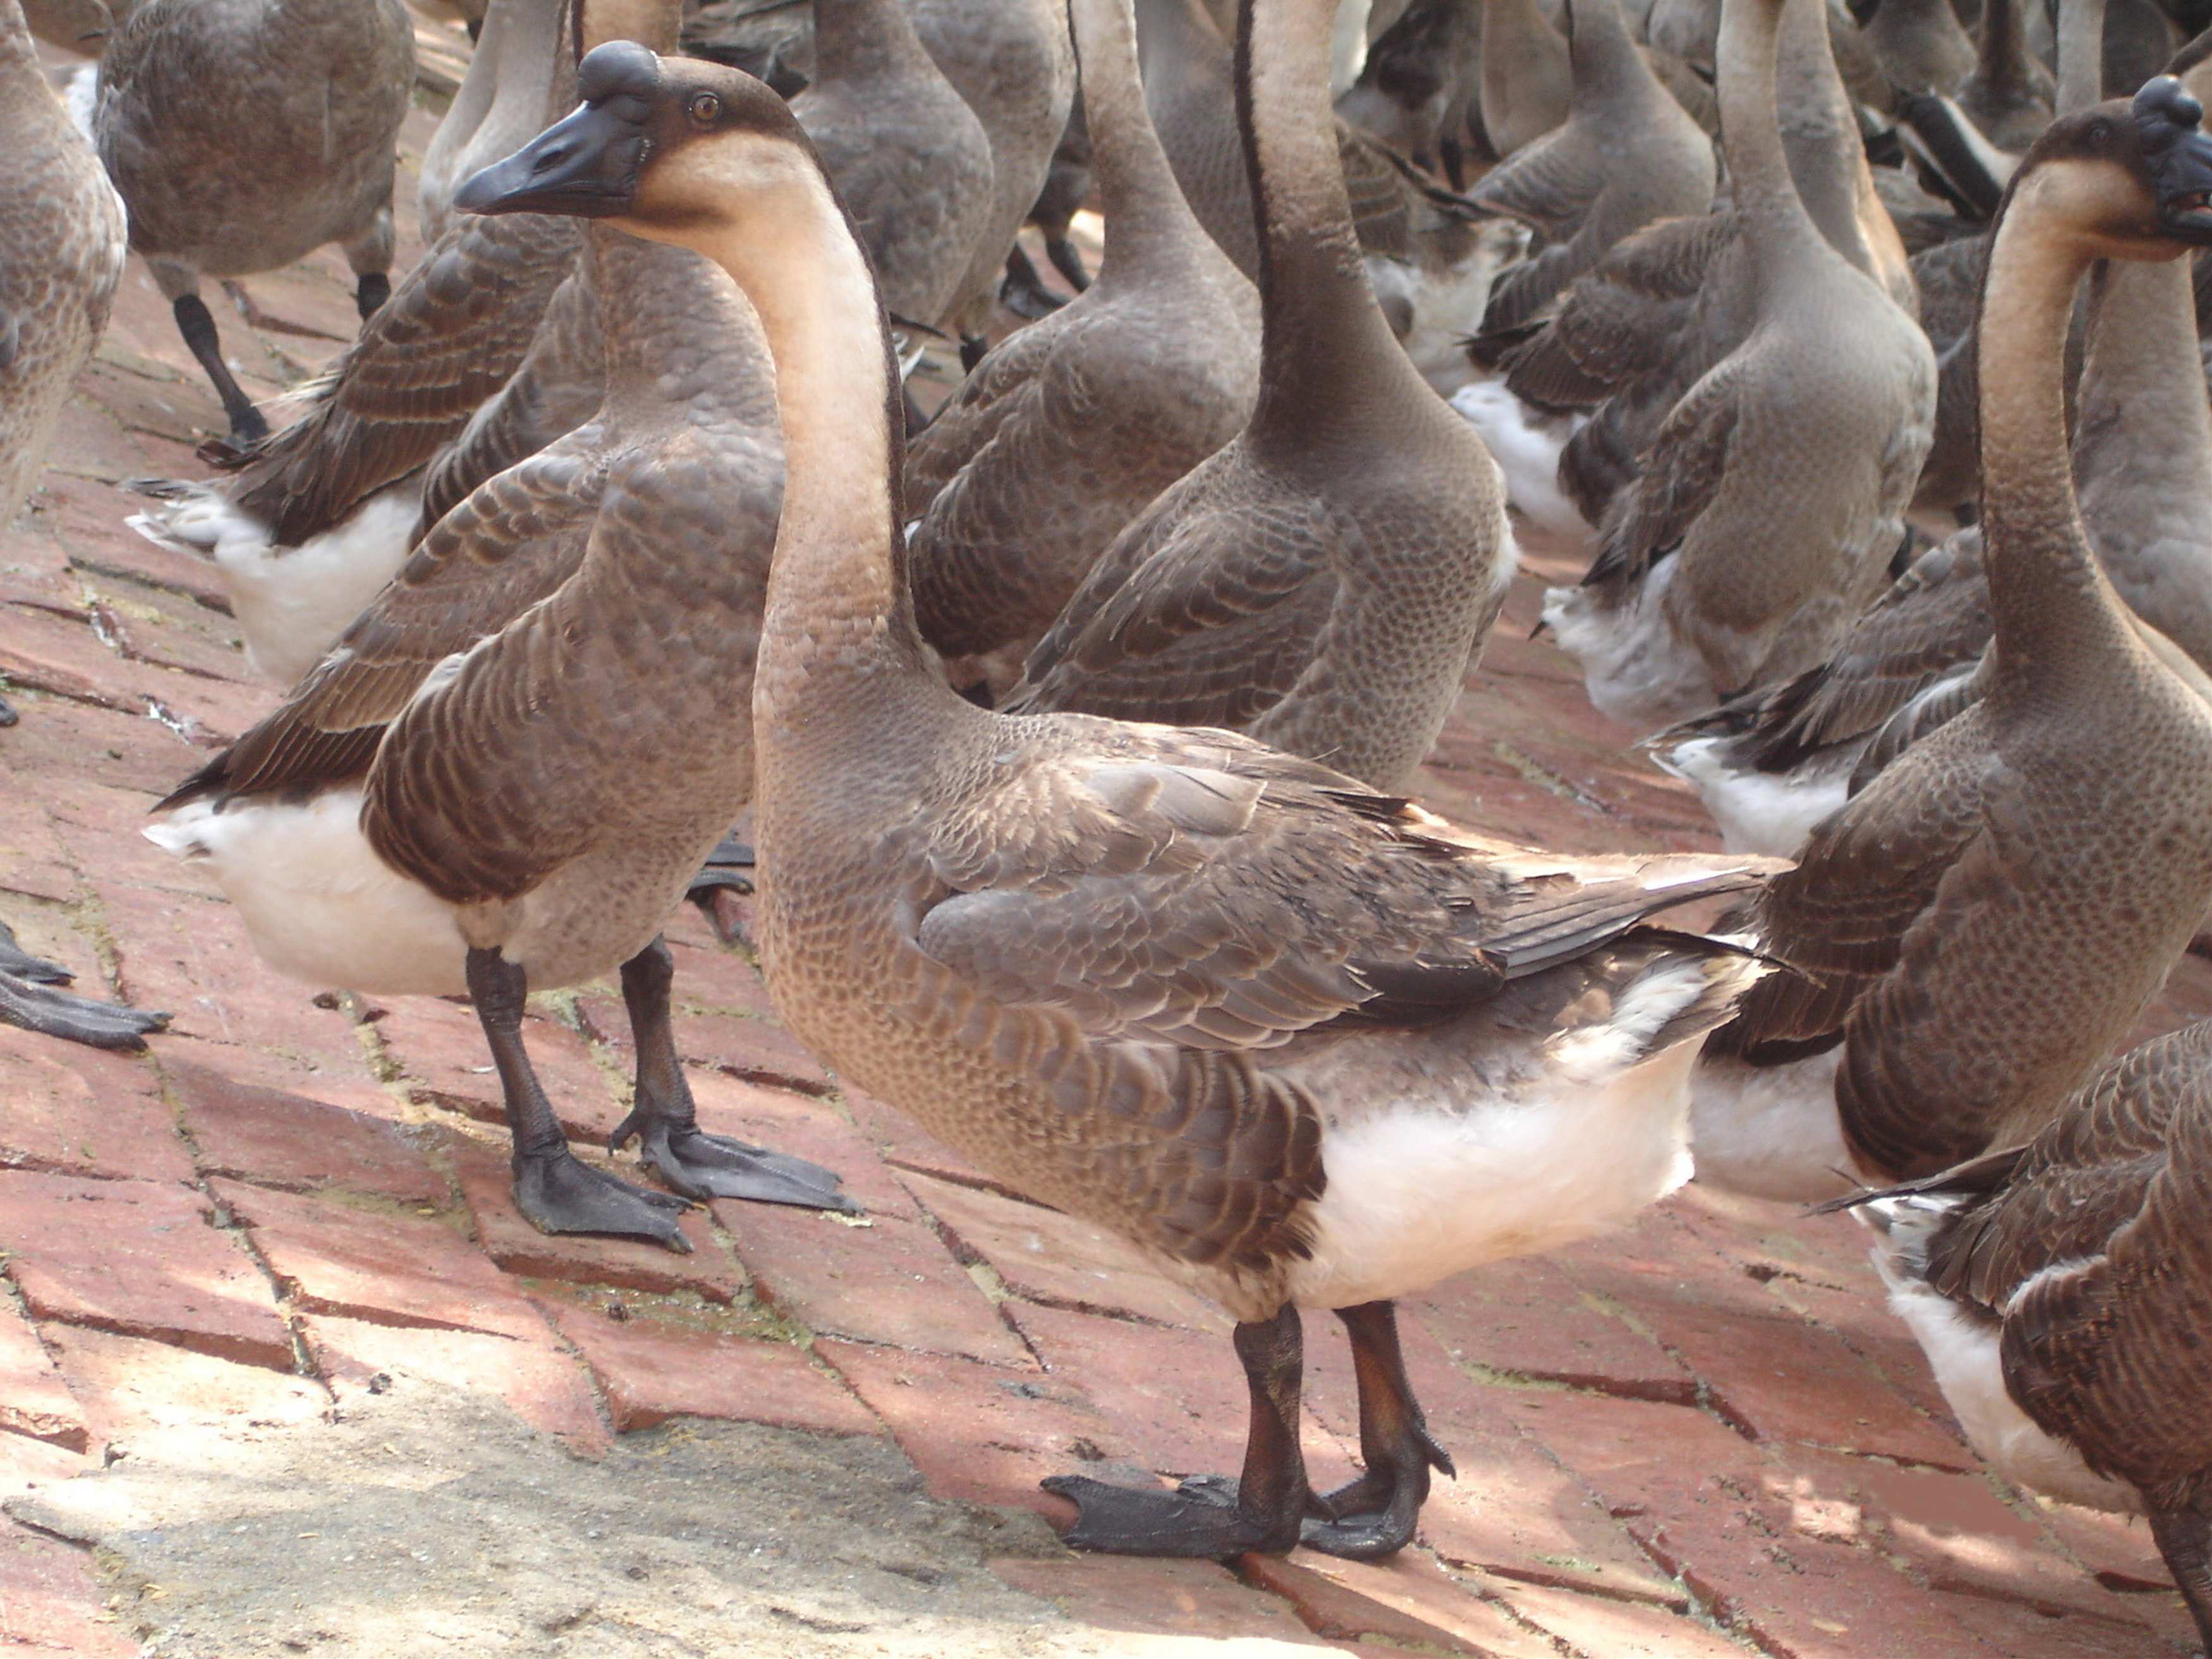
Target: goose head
x=2131, y=180
x=658, y=147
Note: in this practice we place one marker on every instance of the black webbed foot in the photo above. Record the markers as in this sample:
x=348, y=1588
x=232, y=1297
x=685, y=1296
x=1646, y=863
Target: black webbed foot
x=36, y=1004
x=1375, y=1515
x=703, y=1166
x=1023, y=291
x=13, y=959
x=1201, y=1519
x=561, y=1194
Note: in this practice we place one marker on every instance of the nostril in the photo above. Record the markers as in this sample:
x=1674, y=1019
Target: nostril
x=549, y=160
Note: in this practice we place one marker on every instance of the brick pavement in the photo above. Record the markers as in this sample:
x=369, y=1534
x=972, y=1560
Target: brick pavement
x=1702, y=1437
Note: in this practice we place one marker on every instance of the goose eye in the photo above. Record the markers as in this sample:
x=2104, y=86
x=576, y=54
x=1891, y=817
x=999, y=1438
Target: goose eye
x=2099, y=135
x=704, y=107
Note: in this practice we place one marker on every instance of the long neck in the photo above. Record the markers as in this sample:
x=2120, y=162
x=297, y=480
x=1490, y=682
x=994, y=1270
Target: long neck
x=2056, y=613
x=1819, y=133
x=1606, y=64
x=1144, y=206
x=1758, y=171
x=679, y=342
x=2080, y=54
x=1323, y=340
x=2000, y=57
x=838, y=610
x=522, y=41
x=856, y=39
x=1171, y=33
x=19, y=58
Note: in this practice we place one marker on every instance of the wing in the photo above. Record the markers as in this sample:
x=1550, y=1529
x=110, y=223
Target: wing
x=2100, y=1353
x=1227, y=605
x=1549, y=186
x=446, y=341
x=1679, y=478
x=1000, y=386
x=510, y=543
x=1863, y=878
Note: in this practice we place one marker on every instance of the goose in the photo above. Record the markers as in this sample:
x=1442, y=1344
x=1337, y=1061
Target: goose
x=907, y=154
x=62, y=248
x=1303, y=1044
x=76, y=25
x=328, y=82
x=1066, y=187
x=321, y=516
x=1326, y=578
x=1669, y=303
x=1920, y=43
x=1528, y=76
x=1072, y=426
x=2058, y=1289
x=502, y=99
x=1419, y=84
x=2009, y=96
x=1013, y=63
x=1686, y=29
x=1778, y=761
x=1982, y=923
x=1774, y=494
x=506, y=773
x=1627, y=155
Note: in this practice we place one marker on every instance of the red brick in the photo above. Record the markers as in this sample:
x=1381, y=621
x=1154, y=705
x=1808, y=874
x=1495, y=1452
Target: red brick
x=1178, y=1395
x=1195, y=1601
x=48, y=1596
x=75, y=1111
x=102, y=825
x=1512, y=1508
x=31, y=857
x=805, y=1126
x=439, y=1046
x=191, y=957
x=1608, y=1629
x=33, y=1400
x=139, y=1259
x=333, y=1070
x=283, y=1139
x=487, y=1177
x=887, y=1280
x=651, y=1370
x=983, y=1434
x=131, y=1388
x=29, y=1466
x=387, y=1269
x=58, y=738
x=1405, y=1601
x=905, y=1144
x=542, y=1386
x=1058, y=1260
x=1527, y=1318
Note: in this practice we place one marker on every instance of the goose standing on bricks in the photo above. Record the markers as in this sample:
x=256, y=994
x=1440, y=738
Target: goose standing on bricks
x=1324, y=579
x=1774, y=496
x=1068, y=429
x=62, y=245
x=1981, y=925
x=2061, y=1292
x=1304, y=1043
x=506, y=773
x=212, y=191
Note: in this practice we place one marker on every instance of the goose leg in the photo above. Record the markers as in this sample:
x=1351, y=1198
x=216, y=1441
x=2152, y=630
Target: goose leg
x=557, y=1192
x=2184, y=1537
x=7, y=714
x=665, y=1120
x=197, y=324
x=1207, y=1517
x=1376, y=1512
x=1067, y=260
x=1023, y=292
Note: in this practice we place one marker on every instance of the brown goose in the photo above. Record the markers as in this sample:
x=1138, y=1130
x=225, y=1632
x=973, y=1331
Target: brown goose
x=1936, y=1016
x=1324, y=579
x=1626, y=156
x=909, y=156
x=327, y=82
x=322, y=514
x=1920, y=43
x=1419, y=84
x=2060, y=1291
x=62, y=245
x=506, y=772
x=1013, y=63
x=1271, y=1026
x=1066, y=431
x=502, y=101
x=1773, y=495
x=1528, y=75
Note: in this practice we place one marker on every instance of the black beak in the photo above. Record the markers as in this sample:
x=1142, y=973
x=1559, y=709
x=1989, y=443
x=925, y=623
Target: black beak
x=586, y=164
x=2169, y=120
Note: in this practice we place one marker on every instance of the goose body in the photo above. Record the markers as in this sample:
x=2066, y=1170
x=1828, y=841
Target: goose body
x=1064, y=432
x=1934, y=1018
x=1324, y=579
x=328, y=82
x=1803, y=444
x=1232, y=1078
x=477, y=789
x=2058, y=1288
